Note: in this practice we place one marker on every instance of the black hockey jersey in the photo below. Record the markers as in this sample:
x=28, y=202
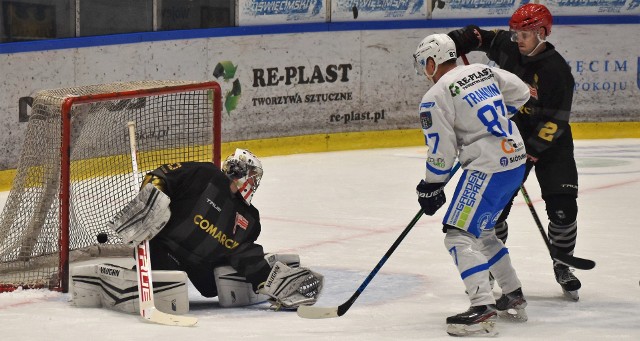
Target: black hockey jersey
x=544, y=120
x=209, y=224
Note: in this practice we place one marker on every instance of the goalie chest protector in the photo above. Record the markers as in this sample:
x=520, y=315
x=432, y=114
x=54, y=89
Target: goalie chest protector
x=208, y=222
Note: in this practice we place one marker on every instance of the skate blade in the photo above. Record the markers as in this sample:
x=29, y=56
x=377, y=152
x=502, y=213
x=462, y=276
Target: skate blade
x=487, y=329
x=514, y=315
x=573, y=295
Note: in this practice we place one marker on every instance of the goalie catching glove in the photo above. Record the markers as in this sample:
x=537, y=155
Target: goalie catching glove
x=290, y=288
x=144, y=217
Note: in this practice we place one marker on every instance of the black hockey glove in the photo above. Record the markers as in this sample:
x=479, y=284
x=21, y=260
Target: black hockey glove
x=431, y=196
x=466, y=39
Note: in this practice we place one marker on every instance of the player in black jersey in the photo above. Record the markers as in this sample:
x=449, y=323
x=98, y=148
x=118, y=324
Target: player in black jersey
x=200, y=220
x=543, y=121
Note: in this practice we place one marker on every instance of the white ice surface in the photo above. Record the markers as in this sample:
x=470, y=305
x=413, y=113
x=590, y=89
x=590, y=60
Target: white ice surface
x=342, y=211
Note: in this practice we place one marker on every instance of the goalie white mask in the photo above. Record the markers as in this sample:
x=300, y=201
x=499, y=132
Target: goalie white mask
x=245, y=170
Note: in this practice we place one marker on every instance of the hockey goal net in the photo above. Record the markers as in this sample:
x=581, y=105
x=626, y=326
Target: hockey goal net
x=75, y=170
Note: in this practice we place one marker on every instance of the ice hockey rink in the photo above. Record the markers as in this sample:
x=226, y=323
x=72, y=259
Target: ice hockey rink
x=341, y=211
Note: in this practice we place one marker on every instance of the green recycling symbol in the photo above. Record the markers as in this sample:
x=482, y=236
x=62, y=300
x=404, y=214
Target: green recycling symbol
x=454, y=89
x=227, y=70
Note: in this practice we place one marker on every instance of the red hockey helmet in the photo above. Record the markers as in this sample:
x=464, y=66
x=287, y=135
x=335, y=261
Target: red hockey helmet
x=530, y=17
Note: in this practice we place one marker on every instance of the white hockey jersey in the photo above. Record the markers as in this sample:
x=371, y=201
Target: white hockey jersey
x=466, y=115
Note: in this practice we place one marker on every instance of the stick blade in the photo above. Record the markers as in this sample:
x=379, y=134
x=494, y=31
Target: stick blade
x=576, y=262
x=311, y=312
x=573, y=261
x=154, y=315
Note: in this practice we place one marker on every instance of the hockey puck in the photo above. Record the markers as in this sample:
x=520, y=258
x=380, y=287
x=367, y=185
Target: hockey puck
x=102, y=238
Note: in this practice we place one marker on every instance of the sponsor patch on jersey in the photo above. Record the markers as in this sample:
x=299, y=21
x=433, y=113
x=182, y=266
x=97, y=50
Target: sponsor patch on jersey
x=241, y=222
x=454, y=90
x=483, y=221
x=427, y=105
x=425, y=119
x=510, y=146
x=474, y=78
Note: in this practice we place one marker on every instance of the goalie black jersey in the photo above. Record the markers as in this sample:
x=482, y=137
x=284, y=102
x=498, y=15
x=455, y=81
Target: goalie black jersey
x=209, y=224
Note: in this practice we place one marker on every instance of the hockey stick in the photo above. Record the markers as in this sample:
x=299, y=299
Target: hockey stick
x=576, y=262
x=312, y=312
x=148, y=310
x=464, y=59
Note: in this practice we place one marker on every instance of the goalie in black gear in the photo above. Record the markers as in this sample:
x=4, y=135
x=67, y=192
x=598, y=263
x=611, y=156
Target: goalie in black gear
x=211, y=232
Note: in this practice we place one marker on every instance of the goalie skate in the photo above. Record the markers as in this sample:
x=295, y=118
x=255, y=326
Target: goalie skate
x=511, y=306
x=477, y=321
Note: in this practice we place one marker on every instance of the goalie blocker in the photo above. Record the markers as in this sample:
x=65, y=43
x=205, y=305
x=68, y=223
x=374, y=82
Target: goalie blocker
x=114, y=287
x=144, y=217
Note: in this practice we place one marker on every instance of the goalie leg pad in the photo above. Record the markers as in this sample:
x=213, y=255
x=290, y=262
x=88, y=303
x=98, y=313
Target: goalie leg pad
x=233, y=289
x=114, y=287
x=85, y=287
x=290, y=288
x=143, y=217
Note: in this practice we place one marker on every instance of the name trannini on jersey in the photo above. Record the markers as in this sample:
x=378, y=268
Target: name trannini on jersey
x=482, y=94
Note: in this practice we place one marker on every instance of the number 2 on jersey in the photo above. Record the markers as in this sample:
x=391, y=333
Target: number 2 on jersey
x=546, y=133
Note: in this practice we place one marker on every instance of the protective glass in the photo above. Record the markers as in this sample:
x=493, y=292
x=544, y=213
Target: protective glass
x=521, y=35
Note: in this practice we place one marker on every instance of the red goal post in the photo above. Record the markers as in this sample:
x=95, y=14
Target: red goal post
x=75, y=169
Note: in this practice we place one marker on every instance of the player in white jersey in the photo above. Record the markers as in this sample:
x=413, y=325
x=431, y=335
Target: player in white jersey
x=465, y=114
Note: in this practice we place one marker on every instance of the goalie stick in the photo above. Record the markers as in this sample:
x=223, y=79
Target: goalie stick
x=312, y=312
x=148, y=310
x=576, y=262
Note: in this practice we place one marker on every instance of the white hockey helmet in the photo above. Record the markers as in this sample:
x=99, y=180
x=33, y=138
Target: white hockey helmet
x=439, y=46
x=245, y=170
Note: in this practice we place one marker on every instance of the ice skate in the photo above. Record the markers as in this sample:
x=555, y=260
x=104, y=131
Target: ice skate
x=477, y=321
x=569, y=283
x=511, y=306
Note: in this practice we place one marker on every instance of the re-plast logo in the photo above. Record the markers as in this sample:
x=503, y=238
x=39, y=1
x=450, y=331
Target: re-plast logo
x=454, y=89
x=226, y=70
